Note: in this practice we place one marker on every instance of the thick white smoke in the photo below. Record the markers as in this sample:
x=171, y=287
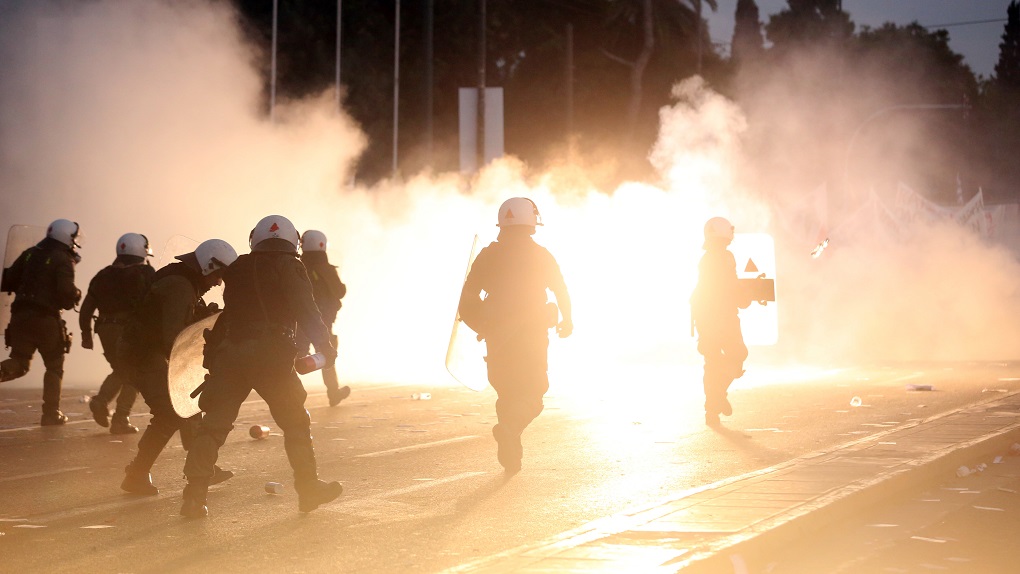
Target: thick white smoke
x=146, y=117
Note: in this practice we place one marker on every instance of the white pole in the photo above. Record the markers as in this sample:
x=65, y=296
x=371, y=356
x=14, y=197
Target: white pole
x=272, y=73
x=339, y=12
x=396, y=84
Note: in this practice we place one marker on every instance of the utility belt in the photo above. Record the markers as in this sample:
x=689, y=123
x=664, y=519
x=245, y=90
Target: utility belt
x=251, y=349
x=113, y=319
x=30, y=304
x=258, y=330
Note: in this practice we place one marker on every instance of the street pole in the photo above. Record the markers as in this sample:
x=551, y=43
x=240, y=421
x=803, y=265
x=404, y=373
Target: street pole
x=272, y=73
x=481, y=84
x=701, y=34
x=396, y=84
x=429, y=25
x=339, y=20
x=570, y=84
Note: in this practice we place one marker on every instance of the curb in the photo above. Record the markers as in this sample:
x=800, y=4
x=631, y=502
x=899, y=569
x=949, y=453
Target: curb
x=920, y=474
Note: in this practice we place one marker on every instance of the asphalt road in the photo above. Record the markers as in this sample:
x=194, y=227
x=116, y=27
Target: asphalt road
x=423, y=491
x=961, y=523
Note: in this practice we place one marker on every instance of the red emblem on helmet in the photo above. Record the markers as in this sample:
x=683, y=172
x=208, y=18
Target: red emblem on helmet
x=274, y=228
x=123, y=246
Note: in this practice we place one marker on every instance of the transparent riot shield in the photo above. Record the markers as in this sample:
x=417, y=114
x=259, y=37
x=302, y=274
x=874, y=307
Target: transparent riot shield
x=179, y=245
x=755, y=254
x=176, y=245
x=186, y=372
x=465, y=355
x=19, y=238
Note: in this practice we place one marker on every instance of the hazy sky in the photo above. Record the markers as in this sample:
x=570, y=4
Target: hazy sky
x=978, y=43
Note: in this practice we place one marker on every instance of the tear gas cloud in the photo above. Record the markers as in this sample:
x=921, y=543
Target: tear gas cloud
x=147, y=117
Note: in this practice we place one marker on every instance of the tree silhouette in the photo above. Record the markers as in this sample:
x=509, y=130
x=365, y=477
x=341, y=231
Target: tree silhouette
x=1007, y=70
x=748, y=42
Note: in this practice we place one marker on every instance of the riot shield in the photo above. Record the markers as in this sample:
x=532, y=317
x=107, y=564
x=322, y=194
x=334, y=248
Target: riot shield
x=179, y=245
x=19, y=238
x=176, y=245
x=755, y=254
x=186, y=373
x=465, y=355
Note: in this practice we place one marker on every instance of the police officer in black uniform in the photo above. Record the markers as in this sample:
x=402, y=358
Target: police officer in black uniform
x=328, y=290
x=173, y=301
x=42, y=279
x=714, y=307
x=115, y=291
x=514, y=319
x=266, y=296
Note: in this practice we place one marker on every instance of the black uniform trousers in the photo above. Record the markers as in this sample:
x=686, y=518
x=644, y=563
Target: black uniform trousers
x=221, y=400
x=149, y=374
x=32, y=330
x=517, y=365
x=722, y=344
x=116, y=383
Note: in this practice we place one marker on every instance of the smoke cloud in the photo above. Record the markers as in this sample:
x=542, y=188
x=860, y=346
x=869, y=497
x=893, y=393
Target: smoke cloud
x=147, y=117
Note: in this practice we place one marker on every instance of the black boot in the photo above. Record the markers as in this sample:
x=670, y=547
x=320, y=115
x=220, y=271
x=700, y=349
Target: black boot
x=11, y=369
x=53, y=418
x=220, y=475
x=100, y=411
x=313, y=494
x=121, y=425
x=193, y=505
x=508, y=448
x=337, y=395
x=52, y=383
x=138, y=482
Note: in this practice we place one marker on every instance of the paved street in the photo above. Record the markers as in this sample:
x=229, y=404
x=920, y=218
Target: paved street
x=423, y=491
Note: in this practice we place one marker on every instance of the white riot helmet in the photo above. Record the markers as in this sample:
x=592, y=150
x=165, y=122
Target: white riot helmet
x=274, y=227
x=519, y=211
x=719, y=228
x=64, y=231
x=134, y=244
x=313, y=240
x=214, y=254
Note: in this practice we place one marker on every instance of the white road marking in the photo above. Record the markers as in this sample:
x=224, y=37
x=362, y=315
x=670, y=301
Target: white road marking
x=46, y=473
x=416, y=446
x=421, y=486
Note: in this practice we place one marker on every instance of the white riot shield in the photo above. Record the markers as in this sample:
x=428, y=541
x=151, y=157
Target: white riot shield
x=186, y=372
x=19, y=238
x=756, y=268
x=465, y=355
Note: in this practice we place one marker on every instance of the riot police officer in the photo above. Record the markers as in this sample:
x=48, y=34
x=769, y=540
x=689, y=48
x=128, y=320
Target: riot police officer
x=266, y=296
x=115, y=291
x=714, y=304
x=173, y=301
x=42, y=279
x=328, y=290
x=514, y=319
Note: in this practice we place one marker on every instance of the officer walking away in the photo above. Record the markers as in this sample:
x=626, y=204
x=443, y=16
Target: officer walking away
x=42, y=279
x=173, y=301
x=714, y=304
x=514, y=319
x=266, y=296
x=115, y=291
x=328, y=290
